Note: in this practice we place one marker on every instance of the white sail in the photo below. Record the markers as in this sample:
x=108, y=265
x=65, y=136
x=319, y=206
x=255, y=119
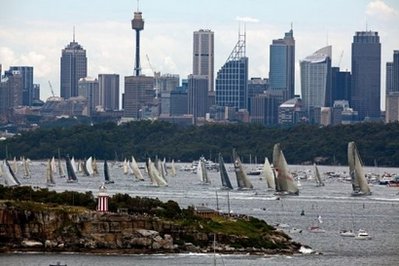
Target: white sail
x=201, y=171
x=284, y=181
x=9, y=175
x=150, y=175
x=27, y=172
x=156, y=176
x=242, y=179
x=89, y=166
x=268, y=173
x=359, y=182
x=136, y=170
x=49, y=174
x=53, y=165
x=173, y=168
x=74, y=167
x=319, y=182
x=125, y=167
x=15, y=166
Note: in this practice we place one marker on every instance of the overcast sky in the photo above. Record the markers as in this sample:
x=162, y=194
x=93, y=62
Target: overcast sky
x=33, y=33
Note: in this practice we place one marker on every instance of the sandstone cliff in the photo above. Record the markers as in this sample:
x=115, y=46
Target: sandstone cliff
x=43, y=227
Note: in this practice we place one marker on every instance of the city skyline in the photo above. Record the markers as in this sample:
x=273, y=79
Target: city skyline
x=33, y=33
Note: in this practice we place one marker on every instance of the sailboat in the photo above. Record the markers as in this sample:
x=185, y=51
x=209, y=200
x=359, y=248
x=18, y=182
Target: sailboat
x=359, y=183
x=27, y=172
x=173, y=168
x=242, y=179
x=317, y=228
x=223, y=174
x=89, y=166
x=155, y=176
x=319, y=182
x=9, y=176
x=106, y=174
x=269, y=174
x=61, y=171
x=49, y=175
x=285, y=184
x=202, y=172
x=136, y=170
x=70, y=172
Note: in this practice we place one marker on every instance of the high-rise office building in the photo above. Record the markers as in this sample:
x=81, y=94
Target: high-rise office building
x=392, y=89
x=139, y=92
x=108, y=85
x=264, y=109
x=316, y=79
x=88, y=88
x=11, y=86
x=366, y=74
x=26, y=73
x=232, y=78
x=395, y=70
x=73, y=68
x=167, y=82
x=341, y=85
x=282, y=66
x=203, y=56
x=197, y=96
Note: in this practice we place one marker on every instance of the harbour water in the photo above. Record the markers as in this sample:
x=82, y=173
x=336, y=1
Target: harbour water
x=378, y=214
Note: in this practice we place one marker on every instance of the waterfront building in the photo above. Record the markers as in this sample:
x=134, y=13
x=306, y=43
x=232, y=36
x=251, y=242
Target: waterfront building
x=392, y=89
x=26, y=73
x=88, y=88
x=341, y=85
x=264, y=109
x=197, y=96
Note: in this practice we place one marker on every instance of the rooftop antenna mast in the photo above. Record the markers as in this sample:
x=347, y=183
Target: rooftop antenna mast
x=73, y=33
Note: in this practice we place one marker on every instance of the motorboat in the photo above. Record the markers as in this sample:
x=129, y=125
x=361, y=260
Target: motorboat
x=362, y=235
x=316, y=229
x=347, y=233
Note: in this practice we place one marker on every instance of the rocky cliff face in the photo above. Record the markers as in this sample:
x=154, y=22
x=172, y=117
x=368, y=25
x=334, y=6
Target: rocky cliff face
x=41, y=227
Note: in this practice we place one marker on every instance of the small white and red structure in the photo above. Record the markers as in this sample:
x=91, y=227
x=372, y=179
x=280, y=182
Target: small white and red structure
x=103, y=197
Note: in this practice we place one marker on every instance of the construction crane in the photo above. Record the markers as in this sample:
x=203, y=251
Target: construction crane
x=51, y=88
x=156, y=75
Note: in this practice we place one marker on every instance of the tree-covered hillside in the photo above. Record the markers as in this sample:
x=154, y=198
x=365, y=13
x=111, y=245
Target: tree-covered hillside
x=377, y=143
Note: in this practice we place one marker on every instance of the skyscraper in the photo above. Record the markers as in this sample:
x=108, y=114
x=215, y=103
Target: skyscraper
x=316, y=79
x=109, y=91
x=282, y=66
x=395, y=70
x=88, y=88
x=73, y=68
x=341, y=85
x=203, y=55
x=392, y=89
x=232, y=78
x=26, y=73
x=197, y=96
x=366, y=74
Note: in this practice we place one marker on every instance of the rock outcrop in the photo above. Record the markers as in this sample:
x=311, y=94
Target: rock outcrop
x=36, y=226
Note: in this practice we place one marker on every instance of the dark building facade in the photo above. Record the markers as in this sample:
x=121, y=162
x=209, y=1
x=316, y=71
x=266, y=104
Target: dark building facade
x=366, y=75
x=73, y=68
x=197, y=95
x=341, y=84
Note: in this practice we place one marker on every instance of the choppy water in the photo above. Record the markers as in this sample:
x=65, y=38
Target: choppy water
x=378, y=214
